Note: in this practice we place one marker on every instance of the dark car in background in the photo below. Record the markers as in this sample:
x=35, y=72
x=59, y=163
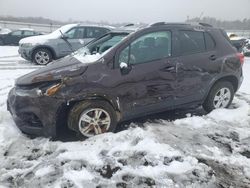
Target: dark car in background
x=13, y=37
x=160, y=67
x=62, y=42
x=246, y=48
x=240, y=43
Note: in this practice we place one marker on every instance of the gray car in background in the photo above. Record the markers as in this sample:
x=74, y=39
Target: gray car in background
x=63, y=41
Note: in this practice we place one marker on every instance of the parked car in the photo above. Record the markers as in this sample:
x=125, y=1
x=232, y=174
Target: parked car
x=4, y=31
x=105, y=42
x=160, y=67
x=237, y=41
x=246, y=48
x=62, y=42
x=13, y=37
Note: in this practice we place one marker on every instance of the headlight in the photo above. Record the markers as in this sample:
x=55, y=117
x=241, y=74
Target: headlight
x=49, y=89
x=41, y=89
x=53, y=89
x=26, y=45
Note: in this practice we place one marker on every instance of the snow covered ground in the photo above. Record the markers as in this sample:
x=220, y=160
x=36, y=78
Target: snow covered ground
x=173, y=149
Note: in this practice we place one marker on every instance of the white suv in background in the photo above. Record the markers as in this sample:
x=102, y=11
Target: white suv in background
x=43, y=49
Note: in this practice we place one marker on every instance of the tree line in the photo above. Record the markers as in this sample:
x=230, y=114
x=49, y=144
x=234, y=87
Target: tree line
x=228, y=25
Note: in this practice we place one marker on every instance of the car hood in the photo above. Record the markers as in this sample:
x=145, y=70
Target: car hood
x=39, y=39
x=57, y=70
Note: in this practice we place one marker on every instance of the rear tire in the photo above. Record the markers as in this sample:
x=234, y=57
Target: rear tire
x=220, y=96
x=89, y=118
x=42, y=56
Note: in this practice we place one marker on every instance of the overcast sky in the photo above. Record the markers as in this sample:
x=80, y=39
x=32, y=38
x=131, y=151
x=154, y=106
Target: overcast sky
x=115, y=11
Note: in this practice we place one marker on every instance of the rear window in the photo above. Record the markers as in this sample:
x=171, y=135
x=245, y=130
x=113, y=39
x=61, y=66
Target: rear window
x=191, y=42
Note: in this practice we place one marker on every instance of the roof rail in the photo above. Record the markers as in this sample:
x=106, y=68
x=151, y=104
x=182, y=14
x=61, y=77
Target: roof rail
x=165, y=23
x=129, y=25
x=205, y=24
x=158, y=23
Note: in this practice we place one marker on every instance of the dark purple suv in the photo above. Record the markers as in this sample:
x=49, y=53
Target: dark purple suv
x=159, y=67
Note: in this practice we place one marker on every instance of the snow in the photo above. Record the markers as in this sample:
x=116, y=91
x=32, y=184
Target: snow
x=87, y=58
x=41, y=39
x=175, y=149
x=4, y=31
x=8, y=51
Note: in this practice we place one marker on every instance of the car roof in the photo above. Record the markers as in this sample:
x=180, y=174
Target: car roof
x=96, y=25
x=189, y=25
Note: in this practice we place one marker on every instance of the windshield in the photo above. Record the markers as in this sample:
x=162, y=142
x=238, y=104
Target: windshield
x=102, y=44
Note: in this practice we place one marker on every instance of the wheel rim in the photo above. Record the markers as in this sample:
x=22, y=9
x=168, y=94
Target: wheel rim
x=222, y=98
x=94, y=121
x=42, y=57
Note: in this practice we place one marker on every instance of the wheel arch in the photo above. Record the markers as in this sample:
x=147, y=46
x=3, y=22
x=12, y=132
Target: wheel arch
x=53, y=53
x=230, y=78
x=64, y=110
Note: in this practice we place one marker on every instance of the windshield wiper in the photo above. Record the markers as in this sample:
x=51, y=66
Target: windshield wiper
x=66, y=40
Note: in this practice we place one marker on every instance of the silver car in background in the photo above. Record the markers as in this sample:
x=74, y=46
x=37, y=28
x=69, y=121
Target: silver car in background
x=63, y=41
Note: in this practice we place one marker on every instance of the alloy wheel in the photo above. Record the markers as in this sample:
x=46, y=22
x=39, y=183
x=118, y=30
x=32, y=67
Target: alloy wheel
x=42, y=57
x=94, y=121
x=222, y=98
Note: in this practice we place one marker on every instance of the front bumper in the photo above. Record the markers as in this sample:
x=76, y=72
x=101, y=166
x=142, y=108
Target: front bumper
x=25, y=52
x=34, y=114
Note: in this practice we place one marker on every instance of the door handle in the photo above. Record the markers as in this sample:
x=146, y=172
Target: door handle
x=168, y=69
x=212, y=57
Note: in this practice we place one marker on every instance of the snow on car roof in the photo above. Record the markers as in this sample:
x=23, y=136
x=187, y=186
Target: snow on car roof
x=96, y=25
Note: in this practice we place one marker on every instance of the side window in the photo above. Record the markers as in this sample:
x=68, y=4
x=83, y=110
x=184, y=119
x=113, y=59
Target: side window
x=191, y=42
x=16, y=33
x=95, y=32
x=71, y=33
x=210, y=44
x=124, y=55
x=152, y=46
x=28, y=33
x=79, y=33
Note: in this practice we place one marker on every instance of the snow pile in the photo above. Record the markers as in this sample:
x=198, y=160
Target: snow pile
x=132, y=157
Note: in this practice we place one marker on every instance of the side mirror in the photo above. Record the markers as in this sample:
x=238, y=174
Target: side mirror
x=125, y=68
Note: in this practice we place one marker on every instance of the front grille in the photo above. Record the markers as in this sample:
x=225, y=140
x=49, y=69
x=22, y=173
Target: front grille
x=30, y=119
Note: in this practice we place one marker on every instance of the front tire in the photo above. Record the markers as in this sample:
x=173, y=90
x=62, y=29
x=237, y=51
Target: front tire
x=42, y=56
x=90, y=118
x=220, y=96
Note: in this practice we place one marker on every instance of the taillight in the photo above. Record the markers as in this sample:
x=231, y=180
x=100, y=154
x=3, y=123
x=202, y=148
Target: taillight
x=241, y=58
